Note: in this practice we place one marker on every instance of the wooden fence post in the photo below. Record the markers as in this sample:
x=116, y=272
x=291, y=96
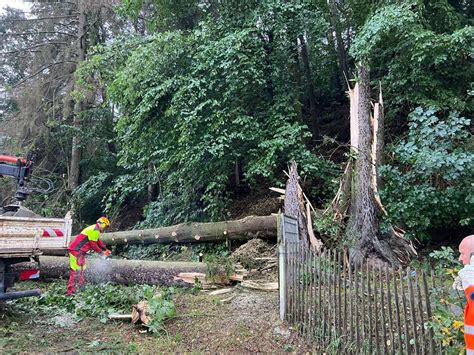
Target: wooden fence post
x=281, y=266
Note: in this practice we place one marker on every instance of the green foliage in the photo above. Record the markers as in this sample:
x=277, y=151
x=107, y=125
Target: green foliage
x=428, y=184
x=163, y=14
x=445, y=258
x=330, y=229
x=160, y=308
x=208, y=90
x=194, y=104
x=448, y=303
x=88, y=197
x=421, y=53
x=387, y=19
x=218, y=267
x=100, y=301
x=174, y=252
x=124, y=188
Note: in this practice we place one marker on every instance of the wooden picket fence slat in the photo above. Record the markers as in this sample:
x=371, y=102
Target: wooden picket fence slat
x=341, y=308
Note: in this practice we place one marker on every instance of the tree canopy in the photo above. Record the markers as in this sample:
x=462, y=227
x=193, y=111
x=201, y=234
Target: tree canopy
x=182, y=107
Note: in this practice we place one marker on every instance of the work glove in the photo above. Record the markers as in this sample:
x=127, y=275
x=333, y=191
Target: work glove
x=105, y=254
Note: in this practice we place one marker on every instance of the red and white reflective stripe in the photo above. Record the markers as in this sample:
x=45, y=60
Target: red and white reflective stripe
x=29, y=274
x=53, y=232
x=469, y=352
x=469, y=329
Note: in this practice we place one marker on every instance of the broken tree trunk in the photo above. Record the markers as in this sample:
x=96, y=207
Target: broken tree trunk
x=377, y=148
x=246, y=228
x=120, y=271
x=367, y=241
x=297, y=206
x=362, y=228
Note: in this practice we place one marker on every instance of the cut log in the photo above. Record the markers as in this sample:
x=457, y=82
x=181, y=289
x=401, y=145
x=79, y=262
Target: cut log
x=246, y=228
x=261, y=286
x=236, y=277
x=191, y=278
x=120, y=271
x=205, y=283
x=140, y=313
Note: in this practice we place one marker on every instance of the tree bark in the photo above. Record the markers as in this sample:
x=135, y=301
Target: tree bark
x=120, y=271
x=362, y=227
x=246, y=228
x=311, y=92
x=378, y=128
x=295, y=207
x=340, y=48
x=367, y=241
x=78, y=107
x=296, y=72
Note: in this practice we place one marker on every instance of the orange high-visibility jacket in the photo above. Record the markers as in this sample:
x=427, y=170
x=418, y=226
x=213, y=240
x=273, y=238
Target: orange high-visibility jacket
x=467, y=278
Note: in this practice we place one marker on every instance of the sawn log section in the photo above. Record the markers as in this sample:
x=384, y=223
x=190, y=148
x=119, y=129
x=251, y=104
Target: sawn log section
x=246, y=228
x=120, y=271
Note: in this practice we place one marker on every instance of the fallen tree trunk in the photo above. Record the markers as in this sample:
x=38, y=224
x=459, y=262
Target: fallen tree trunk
x=246, y=228
x=120, y=271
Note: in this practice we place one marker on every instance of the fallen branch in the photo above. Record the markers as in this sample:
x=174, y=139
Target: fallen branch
x=120, y=316
x=227, y=299
x=221, y=291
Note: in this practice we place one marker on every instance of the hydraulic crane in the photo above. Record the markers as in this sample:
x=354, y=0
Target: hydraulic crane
x=23, y=234
x=20, y=169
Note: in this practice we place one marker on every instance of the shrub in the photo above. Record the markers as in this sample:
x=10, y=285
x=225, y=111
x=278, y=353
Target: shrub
x=428, y=184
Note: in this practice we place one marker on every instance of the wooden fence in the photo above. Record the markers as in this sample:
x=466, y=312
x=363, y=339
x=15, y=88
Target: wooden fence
x=341, y=309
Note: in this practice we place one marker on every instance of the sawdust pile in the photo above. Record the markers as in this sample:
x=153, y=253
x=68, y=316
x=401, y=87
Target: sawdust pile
x=254, y=253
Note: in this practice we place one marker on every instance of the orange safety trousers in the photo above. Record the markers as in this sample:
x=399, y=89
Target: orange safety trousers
x=469, y=320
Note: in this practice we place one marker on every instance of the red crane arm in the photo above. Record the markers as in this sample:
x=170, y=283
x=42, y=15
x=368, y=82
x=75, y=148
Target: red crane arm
x=11, y=159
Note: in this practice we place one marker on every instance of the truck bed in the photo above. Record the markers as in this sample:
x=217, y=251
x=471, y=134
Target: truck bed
x=29, y=236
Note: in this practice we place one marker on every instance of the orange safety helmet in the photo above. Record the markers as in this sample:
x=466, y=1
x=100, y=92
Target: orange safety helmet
x=104, y=221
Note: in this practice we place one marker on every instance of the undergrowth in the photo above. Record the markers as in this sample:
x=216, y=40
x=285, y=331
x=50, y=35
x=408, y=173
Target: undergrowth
x=100, y=301
x=172, y=252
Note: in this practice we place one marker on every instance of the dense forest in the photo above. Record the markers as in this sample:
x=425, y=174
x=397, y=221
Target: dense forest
x=159, y=112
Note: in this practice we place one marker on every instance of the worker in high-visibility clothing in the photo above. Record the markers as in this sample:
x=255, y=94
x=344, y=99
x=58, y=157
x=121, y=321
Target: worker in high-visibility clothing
x=466, y=250
x=88, y=239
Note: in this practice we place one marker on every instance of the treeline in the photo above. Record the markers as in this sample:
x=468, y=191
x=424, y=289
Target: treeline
x=180, y=107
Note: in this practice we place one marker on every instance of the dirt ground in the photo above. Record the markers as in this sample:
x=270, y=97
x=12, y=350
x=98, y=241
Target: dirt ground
x=248, y=322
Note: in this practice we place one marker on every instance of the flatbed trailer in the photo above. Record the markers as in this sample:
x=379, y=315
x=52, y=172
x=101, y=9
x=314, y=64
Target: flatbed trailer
x=24, y=239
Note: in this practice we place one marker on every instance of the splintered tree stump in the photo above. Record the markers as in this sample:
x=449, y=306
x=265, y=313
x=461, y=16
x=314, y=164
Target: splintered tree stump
x=297, y=207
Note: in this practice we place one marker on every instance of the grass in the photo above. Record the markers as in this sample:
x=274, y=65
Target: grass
x=202, y=324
